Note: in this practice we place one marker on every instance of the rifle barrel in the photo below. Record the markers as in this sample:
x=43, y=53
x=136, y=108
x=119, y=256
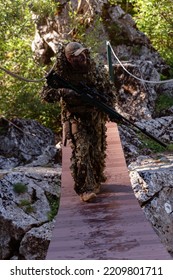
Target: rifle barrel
x=85, y=94
x=116, y=117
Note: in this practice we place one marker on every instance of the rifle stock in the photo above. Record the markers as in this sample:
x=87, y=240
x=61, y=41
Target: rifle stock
x=86, y=95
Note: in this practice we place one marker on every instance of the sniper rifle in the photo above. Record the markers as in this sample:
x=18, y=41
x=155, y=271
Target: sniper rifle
x=92, y=97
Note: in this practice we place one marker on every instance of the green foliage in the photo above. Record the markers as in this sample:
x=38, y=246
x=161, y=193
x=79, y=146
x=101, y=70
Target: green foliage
x=88, y=34
x=151, y=144
x=19, y=98
x=154, y=18
x=170, y=147
x=54, y=209
x=163, y=102
x=24, y=202
x=54, y=205
x=27, y=206
x=92, y=37
x=126, y=5
x=20, y=188
x=44, y=8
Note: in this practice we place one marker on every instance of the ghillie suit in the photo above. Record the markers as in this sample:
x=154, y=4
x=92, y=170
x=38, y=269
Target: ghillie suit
x=83, y=124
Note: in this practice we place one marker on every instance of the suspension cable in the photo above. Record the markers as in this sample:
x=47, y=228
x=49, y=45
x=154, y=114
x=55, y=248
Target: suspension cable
x=14, y=75
x=141, y=80
x=16, y=126
x=108, y=44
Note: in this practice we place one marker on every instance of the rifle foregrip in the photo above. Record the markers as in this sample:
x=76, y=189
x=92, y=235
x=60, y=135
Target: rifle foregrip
x=55, y=81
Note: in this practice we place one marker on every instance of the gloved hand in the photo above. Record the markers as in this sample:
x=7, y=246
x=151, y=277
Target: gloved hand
x=55, y=81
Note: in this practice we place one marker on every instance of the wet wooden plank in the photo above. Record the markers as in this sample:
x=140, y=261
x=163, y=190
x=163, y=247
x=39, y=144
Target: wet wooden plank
x=112, y=227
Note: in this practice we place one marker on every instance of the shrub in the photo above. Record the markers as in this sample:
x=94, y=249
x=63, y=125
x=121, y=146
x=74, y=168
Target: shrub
x=20, y=188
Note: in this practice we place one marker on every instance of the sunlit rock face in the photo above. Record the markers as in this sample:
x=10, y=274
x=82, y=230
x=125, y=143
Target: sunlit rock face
x=30, y=179
x=152, y=182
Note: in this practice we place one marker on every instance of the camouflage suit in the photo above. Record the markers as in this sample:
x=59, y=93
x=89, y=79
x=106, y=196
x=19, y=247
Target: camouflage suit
x=83, y=123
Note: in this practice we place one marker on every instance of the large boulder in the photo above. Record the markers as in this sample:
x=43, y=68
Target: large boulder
x=30, y=179
x=135, y=98
x=162, y=128
x=129, y=43
x=152, y=182
x=35, y=242
x=20, y=146
x=24, y=142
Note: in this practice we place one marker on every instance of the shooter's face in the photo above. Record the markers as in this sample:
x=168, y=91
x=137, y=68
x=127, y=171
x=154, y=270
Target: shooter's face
x=80, y=62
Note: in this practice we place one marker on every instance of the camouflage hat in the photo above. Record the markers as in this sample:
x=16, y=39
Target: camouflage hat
x=74, y=48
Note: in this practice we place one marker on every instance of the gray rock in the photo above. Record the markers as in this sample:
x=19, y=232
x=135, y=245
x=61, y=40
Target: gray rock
x=152, y=182
x=30, y=180
x=6, y=163
x=167, y=88
x=23, y=141
x=160, y=127
x=20, y=211
x=132, y=146
x=135, y=99
x=21, y=233
x=35, y=241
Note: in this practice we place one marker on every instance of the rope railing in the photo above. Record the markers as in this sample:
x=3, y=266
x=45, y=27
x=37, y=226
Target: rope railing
x=109, y=51
x=14, y=75
x=16, y=126
x=137, y=78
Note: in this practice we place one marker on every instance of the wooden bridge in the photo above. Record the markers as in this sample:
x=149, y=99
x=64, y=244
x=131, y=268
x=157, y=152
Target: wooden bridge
x=112, y=227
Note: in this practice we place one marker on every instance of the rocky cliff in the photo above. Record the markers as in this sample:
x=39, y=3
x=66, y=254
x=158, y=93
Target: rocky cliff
x=150, y=170
x=136, y=100
x=30, y=179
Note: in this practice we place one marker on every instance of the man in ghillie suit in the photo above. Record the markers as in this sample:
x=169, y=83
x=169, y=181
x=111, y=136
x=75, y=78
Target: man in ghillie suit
x=83, y=123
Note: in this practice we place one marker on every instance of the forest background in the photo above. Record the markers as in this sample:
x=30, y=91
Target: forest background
x=17, y=30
